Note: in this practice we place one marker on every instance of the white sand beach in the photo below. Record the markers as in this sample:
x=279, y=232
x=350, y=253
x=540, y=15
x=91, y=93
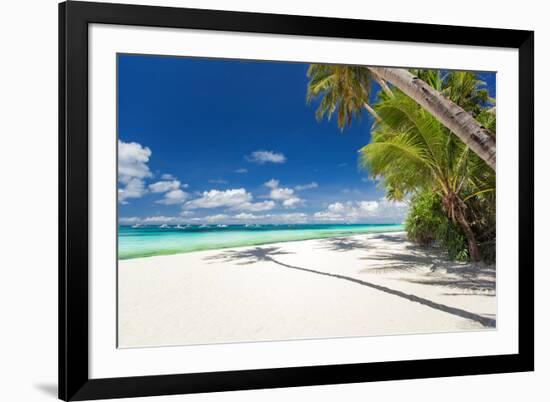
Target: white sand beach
x=361, y=285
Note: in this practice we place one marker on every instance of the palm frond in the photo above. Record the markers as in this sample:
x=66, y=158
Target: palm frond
x=401, y=113
x=342, y=89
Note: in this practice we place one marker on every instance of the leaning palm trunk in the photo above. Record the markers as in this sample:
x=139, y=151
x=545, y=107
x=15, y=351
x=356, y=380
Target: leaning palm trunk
x=473, y=249
x=462, y=124
x=456, y=209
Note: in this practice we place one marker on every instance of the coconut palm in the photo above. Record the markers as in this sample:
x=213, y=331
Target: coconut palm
x=411, y=151
x=478, y=138
x=466, y=90
x=345, y=89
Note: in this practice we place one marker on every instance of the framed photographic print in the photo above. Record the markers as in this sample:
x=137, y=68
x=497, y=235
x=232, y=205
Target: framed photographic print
x=257, y=201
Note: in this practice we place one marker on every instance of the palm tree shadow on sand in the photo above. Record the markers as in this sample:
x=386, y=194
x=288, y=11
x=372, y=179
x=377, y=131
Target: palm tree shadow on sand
x=343, y=244
x=478, y=281
x=459, y=277
x=268, y=254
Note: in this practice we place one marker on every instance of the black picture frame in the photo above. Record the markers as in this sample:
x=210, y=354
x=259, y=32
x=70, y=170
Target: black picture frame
x=74, y=381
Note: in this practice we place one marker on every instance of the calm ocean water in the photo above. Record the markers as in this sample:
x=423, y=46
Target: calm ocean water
x=145, y=241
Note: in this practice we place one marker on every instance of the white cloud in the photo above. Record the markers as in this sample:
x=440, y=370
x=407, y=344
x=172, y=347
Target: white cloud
x=132, y=170
x=262, y=157
x=216, y=218
x=288, y=218
x=256, y=206
x=368, y=206
x=134, y=188
x=160, y=219
x=174, y=197
x=286, y=195
x=241, y=170
x=264, y=219
x=167, y=176
x=172, y=191
x=380, y=210
x=281, y=193
x=308, y=186
x=295, y=217
x=337, y=207
x=348, y=211
x=234, y=199
x=132, y=161
x=163, y=186
x=248, y=217
x=292, y=202
x=129, y=220
x=150, y=220
x=223, y=218
x=217, y=198
x=273, y=183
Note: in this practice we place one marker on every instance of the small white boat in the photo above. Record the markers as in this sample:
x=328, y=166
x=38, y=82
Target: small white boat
x=164, y=226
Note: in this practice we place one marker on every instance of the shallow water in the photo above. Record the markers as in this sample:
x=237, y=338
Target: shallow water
x=145, y=241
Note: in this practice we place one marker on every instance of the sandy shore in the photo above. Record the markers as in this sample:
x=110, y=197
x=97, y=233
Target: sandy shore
x=359, y=285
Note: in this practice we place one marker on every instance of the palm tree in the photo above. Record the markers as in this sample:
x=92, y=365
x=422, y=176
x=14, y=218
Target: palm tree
x=346, y=88
x=466, y=90
x=478, y=138
x=345, y=91
x=411, y=151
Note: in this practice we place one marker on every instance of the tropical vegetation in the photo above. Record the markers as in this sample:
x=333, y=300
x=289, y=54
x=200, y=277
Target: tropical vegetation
x=417, y=156
x=345, y=83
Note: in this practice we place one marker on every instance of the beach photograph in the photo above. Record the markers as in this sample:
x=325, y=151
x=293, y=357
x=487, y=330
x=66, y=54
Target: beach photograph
x=275, y=201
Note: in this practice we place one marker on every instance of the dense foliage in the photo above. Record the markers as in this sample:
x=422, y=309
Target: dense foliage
x=345, y=91
x=451, y=190
x=428, y=225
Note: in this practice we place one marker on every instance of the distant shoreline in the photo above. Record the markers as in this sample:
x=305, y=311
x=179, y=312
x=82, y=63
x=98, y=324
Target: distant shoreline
x=258, y=244
x=182, y=245
x=214, y=225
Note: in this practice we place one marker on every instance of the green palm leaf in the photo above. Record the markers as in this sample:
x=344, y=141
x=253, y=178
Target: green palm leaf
x=342, y=90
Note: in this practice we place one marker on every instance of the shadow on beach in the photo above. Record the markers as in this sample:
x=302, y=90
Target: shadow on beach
x=438, y=271
x=477, y=279
x=269, y=253
x=344, y=244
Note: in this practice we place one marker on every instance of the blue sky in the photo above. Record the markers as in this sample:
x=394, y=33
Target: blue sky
x=228, y=141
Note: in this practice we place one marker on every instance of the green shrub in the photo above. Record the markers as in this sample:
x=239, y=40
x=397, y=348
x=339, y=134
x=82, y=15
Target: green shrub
x=482, y=213
x=450, y=237
x=427, y=224
x=424, y=219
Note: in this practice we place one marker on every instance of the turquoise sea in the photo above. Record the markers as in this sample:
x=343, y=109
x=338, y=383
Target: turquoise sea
x=146, y=241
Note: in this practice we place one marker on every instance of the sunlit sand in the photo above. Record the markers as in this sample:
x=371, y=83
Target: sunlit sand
x=361, y=285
